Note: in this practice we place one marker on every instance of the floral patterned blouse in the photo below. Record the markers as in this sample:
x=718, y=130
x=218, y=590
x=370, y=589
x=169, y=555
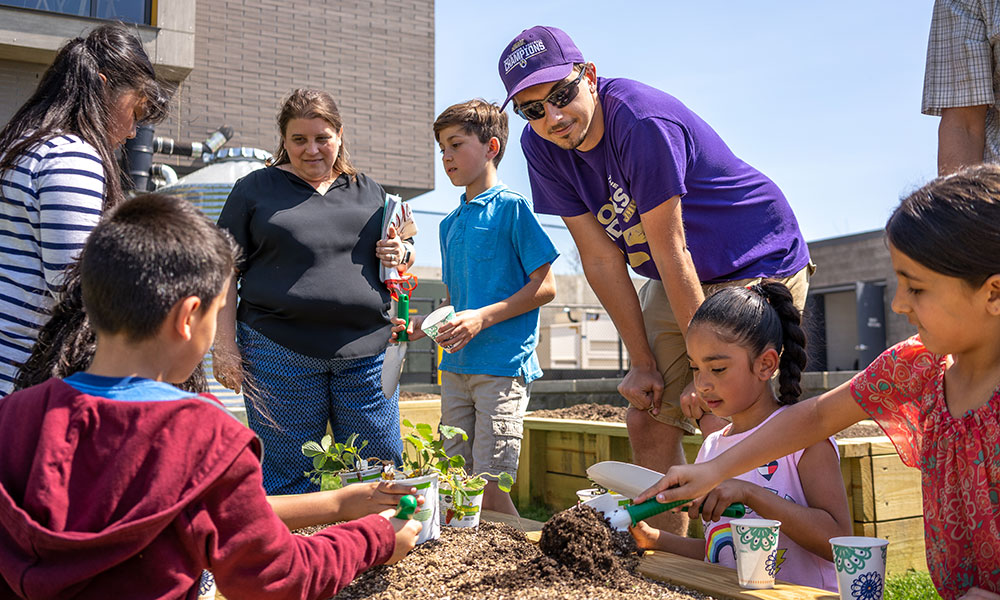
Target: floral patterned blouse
x=958, y=458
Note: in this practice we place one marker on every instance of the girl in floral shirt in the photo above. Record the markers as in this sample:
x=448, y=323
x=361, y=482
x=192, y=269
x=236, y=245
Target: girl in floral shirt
x=936, y=395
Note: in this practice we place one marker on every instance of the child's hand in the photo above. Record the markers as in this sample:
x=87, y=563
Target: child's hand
x=369, y=498
x=454, y=335
x=691, y=403
x=719, y=499
x=681, y=482
x=406, y=535
x=413, y=330
x=645, y=537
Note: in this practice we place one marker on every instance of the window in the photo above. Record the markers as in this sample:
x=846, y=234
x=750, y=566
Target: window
x=130, y=11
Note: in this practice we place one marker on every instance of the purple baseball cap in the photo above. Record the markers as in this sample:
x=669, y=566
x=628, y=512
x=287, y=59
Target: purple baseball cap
x=537, y=55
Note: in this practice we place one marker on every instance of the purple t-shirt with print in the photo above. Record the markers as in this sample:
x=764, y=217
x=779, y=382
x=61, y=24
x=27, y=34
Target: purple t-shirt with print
x=737, y=222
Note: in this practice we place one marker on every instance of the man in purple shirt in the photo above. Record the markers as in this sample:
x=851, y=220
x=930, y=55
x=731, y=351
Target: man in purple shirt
x=640, y=180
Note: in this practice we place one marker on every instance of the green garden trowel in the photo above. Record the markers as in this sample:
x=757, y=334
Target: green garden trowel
x=630, y=481
x=395, y=354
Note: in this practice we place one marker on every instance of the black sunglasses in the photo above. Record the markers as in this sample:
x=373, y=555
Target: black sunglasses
x=559, y=97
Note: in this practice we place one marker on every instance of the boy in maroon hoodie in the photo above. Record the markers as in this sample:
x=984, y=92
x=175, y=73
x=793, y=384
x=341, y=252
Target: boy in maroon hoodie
x=114, y=483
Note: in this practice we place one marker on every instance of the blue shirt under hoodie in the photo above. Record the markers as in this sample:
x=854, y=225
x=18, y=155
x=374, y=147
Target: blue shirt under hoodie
x=490, y=245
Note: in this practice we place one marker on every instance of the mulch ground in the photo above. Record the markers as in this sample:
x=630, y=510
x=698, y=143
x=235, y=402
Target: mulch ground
x=616, y=414
x=578, y=557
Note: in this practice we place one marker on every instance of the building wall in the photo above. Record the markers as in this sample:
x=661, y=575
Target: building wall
x=232, y=62
x=861, y=257
x=375, y=57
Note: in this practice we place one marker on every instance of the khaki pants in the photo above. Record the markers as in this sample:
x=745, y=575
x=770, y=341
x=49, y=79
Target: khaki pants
x=667, y=343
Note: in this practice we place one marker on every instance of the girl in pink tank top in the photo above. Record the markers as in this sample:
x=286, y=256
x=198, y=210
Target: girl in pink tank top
x=737, y=340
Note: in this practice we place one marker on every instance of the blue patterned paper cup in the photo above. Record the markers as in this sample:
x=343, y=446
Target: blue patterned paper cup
x=860, y=563
x=756, y=544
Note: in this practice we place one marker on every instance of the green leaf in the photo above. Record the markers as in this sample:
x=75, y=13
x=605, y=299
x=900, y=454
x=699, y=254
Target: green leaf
x=318, y=461
x=457, y=461
x=326, y=442
x=311, y=449
x=505, y=483
x=406, y=423
x=448, y=432
x=425, y=431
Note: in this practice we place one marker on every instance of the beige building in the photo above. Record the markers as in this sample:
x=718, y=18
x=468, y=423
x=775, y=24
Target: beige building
x=232, y=62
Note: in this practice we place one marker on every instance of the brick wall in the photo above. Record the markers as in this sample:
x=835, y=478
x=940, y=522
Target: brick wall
x=375, y=57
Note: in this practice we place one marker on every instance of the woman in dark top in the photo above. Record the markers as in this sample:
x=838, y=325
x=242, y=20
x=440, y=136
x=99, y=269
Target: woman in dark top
x=312, y=322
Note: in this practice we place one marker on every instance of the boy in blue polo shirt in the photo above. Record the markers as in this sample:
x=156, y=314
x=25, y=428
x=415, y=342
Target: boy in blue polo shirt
x=496, y=263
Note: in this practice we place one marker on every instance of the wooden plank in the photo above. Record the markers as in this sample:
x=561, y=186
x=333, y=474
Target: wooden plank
x=568, y=462
x=896, y=489
x=522, y=486
x=576, y=425
x=571, y=440
x=906, y=543
x=621, y=449
x=862, y=494
x=602, y=448
x=870, y=446
x=559, y=491
x=421, y=411
x=718, y=581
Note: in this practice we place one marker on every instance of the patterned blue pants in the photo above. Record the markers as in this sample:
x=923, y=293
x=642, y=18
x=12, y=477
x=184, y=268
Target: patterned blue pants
x=291, y=397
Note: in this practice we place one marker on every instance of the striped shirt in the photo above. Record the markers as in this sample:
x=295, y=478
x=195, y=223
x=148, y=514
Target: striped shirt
x=962, y=63
x=51, y=201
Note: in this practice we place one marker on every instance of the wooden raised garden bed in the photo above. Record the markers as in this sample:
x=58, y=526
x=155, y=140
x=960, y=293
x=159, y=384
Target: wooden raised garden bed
x=883, y=494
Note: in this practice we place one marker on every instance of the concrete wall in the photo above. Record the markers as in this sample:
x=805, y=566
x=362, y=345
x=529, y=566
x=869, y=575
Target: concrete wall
x=860, y=257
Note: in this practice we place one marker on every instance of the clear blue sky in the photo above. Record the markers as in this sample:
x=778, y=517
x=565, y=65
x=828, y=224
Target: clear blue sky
x=822, y=97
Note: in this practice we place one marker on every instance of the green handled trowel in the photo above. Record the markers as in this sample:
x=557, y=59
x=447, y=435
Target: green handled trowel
x=395, y=354
x=630, y=481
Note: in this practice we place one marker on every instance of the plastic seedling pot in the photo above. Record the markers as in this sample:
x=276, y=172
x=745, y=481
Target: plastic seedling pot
x=362, y=476
x=468, y=502
x=428, y=514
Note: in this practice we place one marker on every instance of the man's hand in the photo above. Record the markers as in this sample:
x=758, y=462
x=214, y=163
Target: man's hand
x=458, y=332
x=643, y=388
x=691, y=403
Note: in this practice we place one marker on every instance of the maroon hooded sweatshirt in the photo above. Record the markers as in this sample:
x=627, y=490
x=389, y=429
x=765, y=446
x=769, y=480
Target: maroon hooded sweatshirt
x=110, y=499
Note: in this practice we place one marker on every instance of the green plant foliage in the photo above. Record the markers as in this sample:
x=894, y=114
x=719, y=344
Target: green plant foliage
x=427, y=453
x=331, y=458
x=462, y=485
x=912, y=585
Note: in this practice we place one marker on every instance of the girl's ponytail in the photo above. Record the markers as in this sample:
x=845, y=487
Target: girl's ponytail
x=759, y=317
x=793, y=352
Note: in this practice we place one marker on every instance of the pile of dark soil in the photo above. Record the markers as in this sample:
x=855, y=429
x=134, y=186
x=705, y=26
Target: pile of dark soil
x=498, y=561
x=616, y=414
x=586, y=412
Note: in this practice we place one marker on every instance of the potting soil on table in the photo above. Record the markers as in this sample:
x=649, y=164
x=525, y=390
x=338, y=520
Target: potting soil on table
x=582, y=559
x=608, y=413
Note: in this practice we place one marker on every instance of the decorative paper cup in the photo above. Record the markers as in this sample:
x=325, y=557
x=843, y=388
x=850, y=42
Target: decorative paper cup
x=756, y=542
x=860, y=563
x=435, y=320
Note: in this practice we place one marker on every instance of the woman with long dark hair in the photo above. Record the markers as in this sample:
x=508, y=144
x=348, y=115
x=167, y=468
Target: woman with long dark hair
x=58, y=173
